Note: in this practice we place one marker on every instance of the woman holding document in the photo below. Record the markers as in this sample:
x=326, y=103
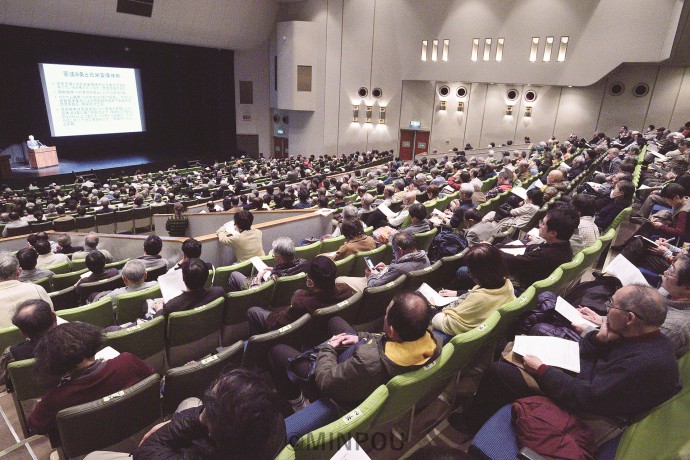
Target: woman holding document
x=493, y=290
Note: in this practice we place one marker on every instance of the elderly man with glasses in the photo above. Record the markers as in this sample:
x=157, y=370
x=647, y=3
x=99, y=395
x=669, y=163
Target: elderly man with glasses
x=627, y=367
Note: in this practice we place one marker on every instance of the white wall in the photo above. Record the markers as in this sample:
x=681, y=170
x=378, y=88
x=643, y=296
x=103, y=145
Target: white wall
x=377, y=43
x=253, y=66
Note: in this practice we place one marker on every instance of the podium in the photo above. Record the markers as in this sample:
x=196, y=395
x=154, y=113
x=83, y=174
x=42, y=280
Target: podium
x=43, y=157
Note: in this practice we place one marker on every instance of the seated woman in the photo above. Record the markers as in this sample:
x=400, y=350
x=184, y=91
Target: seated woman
x=493, y=290
x=622, y=195
x=356, y=240
x=65, y=357
x=519, y=217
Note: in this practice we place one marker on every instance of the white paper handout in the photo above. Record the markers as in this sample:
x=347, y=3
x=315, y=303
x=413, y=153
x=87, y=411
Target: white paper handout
x=519, y=191
x=434, y=297
x=324, y=211
x=386, y=210
x=230, y=228
x=626, y=272
x=659, y=155
x=107, y=353
x=260, y=265
x=571, y=314
x=537, y=183
x=171, y=284
x=594, y=185
x=514, y=251
x=553, y=351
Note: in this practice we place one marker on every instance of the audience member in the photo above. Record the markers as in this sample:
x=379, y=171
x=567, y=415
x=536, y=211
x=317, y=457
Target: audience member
x=46, y=258
x=245, y=240
x=134, y=277
x=356, y=240
x=322, y=291
x=65, y=245
x=178, y=223
x=91, y=244
x=152, y=249
x=194, y=275
x=12, y=291
x=27, y=258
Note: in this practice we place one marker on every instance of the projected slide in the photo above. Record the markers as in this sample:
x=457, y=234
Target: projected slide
x=84, y=100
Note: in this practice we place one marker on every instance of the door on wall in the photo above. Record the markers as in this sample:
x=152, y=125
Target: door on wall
x=421, y=142
x=280, y=147
x=406, y=144
x=413, y=142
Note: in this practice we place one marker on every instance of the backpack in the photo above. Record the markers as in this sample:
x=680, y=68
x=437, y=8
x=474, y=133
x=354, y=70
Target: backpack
x=593, y=294
x=446, y=243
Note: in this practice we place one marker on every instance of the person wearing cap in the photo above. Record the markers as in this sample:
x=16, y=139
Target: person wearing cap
x=322, y=291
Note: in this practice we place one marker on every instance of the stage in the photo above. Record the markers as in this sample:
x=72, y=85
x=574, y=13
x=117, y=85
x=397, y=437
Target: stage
x=68, y=169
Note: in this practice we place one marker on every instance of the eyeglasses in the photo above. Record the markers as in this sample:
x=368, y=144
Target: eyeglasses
x=609, y=305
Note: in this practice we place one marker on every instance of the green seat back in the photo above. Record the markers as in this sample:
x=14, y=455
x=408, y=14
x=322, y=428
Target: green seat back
x=510, y=311
x=347, y=310
x=235, y=326
x=309, y=251
x=9, y=336
x=343, y=267
x=223, y=273
x=332, y=244
x=374, y=304
x=65, y=280
x=64, y=299
x=194, y=333
x=44, y=283
x=130, y=306
x=285, y=287
x=571, y=272
x=449, y=265
x=192, y=380
x=117, y=264
x=623, y=215
x=424, y=239
x=64, y=267
x=26, y=387
x=323, y=443
x=78, y=265
x=426, y=275
x=146, y=341
x=548, y=283
x=99, y=313
x=258, y=346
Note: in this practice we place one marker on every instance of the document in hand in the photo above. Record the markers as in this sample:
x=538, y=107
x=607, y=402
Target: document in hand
x=434, y=297
x=553, y=351
x=260, y=265
x=570, y=313
x=659, y=156
x=519, y=191
x=386, y=210
x=537, y=183
x=230, y=227
x=626, y=272
x=514, y=251
x=171, y=284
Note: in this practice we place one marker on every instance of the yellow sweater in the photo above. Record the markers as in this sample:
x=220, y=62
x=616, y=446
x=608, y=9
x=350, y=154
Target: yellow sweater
x=472, y=311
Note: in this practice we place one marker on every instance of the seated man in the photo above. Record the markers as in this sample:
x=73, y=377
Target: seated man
x=556, y=179
x=398, y=219
x=12, y=291
x=247, y=241
x=15, y=222
x=91, y=244
x=286, y=264
x=238, y=413
x=65, y=245
x=33, y=318
x=95, y=262
x=46, y=258
x=418, y=219
x=194, y=275
x=65, y=357
x=457, y=208
x=27, y=261
x=406, y=258
x=152, y=249
x=406, y=345
x=539, y=260
x=134, y=277
x=504, y=182
x=627, y=367
x=322, y=291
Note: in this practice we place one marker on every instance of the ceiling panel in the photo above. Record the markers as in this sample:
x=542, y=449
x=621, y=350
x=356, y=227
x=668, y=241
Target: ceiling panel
x=227, y=24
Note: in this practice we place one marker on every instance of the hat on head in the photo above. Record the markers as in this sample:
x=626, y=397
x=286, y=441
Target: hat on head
x=322, y=271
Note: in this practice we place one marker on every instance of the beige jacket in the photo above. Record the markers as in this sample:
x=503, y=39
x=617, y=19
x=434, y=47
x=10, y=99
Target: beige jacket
x=246, y=244
x=13, y=293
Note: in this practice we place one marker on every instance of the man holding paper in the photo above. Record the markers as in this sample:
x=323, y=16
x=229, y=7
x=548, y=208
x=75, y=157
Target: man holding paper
x=626, y=367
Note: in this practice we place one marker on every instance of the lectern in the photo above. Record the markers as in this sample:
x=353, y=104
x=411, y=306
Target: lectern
x=43, y=157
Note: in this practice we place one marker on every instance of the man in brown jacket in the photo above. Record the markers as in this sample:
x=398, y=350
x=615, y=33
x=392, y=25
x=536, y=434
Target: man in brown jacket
x=322, y=291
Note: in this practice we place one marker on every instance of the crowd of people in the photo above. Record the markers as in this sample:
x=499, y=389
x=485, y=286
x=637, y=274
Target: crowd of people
x=628, y=361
